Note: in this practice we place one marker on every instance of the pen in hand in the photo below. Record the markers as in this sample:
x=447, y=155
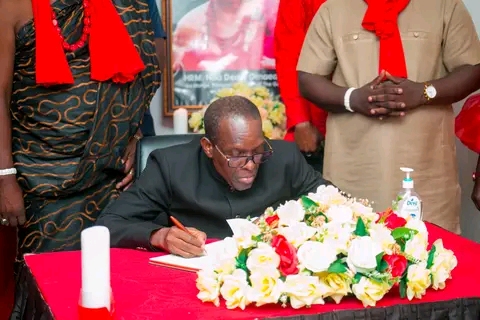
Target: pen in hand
x=180, y=226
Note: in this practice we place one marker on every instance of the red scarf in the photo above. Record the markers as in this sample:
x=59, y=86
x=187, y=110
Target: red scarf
x=381, y=18
x=107, y=33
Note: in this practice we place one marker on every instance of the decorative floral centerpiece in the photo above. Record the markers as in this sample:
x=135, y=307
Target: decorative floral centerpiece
x=271, y=109
x=322, y=246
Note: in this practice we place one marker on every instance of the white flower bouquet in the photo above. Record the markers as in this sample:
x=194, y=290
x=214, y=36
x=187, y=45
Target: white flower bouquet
x=323, y=246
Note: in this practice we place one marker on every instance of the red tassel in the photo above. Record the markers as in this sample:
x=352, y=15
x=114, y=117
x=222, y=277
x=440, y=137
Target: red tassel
x=51, y=64
x=127, y=63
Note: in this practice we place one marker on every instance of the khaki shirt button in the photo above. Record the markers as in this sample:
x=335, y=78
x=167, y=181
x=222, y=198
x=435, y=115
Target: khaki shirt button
x=415, y=34
x=355, y=36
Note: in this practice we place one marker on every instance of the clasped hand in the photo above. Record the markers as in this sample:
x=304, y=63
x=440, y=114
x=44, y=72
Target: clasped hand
x=387, y=96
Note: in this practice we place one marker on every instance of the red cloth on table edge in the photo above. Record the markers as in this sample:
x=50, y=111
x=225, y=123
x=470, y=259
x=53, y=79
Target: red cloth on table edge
x=467, y=123
x=145, y=291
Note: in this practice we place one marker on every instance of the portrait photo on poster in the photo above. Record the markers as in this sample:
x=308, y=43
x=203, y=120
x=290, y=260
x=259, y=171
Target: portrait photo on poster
x=218, y=48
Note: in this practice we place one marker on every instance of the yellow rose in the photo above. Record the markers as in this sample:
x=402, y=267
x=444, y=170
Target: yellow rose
x=208, y=285
x=235, y=290
x=242, y=89
x=277, y=114
x=258, y=102
x=277, y=133
x=337, y=284
x=369, y=291
x=225, y=92
x=444, y=261
x=263, y=113
x=267, y=127
x=196, y=121
x=266, y=287
x=304, y=290
x=261, y=92
x=417, y=247
x=418, y=280
x=263, y=259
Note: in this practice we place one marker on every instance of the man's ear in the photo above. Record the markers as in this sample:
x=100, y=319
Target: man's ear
x=207, y=147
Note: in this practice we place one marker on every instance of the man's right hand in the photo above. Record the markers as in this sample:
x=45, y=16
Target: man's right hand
x=307, y=137
x=179, y=242
x=12, y=206
x=361, y=99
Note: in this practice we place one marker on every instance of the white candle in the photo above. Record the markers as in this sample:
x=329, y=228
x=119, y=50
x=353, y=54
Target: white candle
x=96, y=289
x=180, y=121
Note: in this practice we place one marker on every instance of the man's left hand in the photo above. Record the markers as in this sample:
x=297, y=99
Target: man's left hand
x=410, y=94
x=128, y=162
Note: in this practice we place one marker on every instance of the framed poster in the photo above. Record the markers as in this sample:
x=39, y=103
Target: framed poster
x=216, y=46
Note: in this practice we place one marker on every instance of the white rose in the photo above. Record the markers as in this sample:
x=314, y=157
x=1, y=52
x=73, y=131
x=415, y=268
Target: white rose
x=444, y=261
x=337, y=236
x=290, y=213
x=304, y=290
x=383, y=236
x=235, y=290
x=416, y=247
x=208, y=285
x=364, y=211
x=316, y=256
x=263, y=259
x=362, y=254
x=243, y=232
x=266, y=287
x=418, y=225
x=297, y=233
x=328, y=195
x=340, y=214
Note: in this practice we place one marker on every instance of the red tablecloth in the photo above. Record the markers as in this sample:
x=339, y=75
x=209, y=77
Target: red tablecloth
x=143, y=291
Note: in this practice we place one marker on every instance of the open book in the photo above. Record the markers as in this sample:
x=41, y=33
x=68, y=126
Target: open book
x=214, y=251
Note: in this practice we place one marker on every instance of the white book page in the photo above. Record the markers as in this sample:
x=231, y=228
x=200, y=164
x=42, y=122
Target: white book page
x=213, y=250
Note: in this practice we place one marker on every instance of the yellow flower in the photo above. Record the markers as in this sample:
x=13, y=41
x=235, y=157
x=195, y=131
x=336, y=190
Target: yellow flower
x=277, y=114
x=266, y=287
x=263, y=259
x=242, y=89
x=277, y=133
x=337, y=284
x=418, y=280
x=208, y=285
x=235, y=290
x=369, y=291
x=267, y=127
x=261, y=92
x=196, y=121
x=263, y=113
x=225, y=92
x=258, y=102
x=304, y=290
x=444, y=261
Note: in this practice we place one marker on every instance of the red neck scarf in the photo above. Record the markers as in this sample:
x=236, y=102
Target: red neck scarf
x=381, y=18
x=107, y=33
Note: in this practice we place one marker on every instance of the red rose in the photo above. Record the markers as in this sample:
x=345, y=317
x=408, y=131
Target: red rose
x=288, y=255
x=397, y=264
x=391, y=219
x=272, y=221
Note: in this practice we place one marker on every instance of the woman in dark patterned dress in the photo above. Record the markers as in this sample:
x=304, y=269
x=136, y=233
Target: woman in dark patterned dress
x=76, y=77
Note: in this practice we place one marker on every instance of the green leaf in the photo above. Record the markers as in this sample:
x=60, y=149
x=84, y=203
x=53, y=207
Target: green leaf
x=403, y=288
x=357, y=278
x=382, y=265
x=360, y=229
x=337, y=267
x=403, y=233
x=431, y=255
x=241, y=260
x=308, y=203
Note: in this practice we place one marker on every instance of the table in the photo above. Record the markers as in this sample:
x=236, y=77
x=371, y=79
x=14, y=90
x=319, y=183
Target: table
x=144, y=291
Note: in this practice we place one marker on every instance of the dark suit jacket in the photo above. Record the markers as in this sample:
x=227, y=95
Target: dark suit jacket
x=182, y=181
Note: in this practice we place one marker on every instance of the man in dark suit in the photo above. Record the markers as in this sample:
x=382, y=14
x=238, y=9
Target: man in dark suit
x=231, y=172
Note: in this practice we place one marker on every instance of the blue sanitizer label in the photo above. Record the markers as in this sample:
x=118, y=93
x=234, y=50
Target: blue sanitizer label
x=411, y=207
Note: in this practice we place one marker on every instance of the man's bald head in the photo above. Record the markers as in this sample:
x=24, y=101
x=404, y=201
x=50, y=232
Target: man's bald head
x=239, y=111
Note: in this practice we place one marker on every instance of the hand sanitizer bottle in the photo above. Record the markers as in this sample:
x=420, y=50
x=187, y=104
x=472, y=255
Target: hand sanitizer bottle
x=408, y=203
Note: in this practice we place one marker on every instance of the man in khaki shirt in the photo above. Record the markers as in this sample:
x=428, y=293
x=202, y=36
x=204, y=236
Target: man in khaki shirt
x=429, y=52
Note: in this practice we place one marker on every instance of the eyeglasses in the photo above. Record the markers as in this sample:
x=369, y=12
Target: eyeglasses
x=241, y=161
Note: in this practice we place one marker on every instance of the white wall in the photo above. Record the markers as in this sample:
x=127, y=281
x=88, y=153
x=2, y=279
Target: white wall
x=467, y=160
